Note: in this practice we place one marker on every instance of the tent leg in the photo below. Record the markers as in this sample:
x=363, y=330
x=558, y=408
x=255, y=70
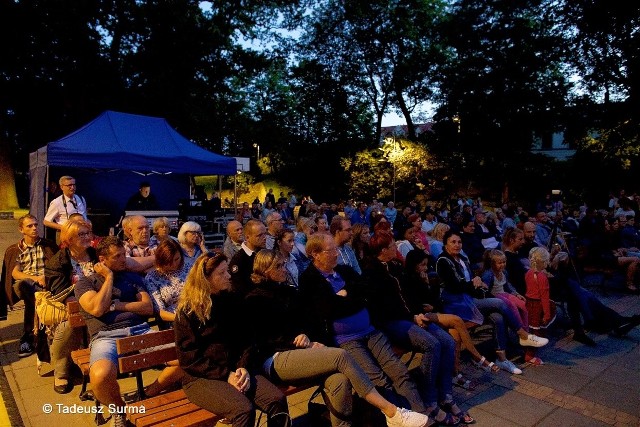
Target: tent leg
x=235, y=194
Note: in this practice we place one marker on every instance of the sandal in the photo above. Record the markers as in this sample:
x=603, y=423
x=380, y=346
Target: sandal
x=452, y=408
x=447, y=420
x=487, y=366
x=461, y=381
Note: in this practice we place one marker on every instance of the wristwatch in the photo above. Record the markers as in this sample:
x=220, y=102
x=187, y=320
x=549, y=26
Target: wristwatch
x=113, y=306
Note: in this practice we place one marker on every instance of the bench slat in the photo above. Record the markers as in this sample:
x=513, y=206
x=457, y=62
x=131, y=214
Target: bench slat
x=146, y=360
x=199, y=418
x=140, y=342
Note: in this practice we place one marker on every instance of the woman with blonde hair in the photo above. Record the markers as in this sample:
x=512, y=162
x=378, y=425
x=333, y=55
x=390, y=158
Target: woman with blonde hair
x=436, y=245
x=360, y=235
x=161, y=230
x=74, y=261
x=289, y=356
x=213, y=344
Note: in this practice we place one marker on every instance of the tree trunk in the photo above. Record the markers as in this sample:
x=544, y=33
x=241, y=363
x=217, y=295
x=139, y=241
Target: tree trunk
x=8, y=195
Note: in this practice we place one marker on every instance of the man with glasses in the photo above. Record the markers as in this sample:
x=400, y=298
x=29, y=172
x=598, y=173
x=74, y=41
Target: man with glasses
x=275, y=223
x=28, y=273
x=340, y=229
x=62, y=207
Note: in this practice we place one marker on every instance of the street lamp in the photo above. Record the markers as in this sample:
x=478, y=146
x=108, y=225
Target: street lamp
x=257, y=147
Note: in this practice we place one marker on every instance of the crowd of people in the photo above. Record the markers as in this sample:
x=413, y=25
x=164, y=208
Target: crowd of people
x=327, y=294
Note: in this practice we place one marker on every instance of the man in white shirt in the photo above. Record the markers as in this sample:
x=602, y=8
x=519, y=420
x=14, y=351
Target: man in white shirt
x=65, y=205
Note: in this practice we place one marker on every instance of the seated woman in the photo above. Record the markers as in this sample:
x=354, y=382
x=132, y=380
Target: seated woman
x=284, y=245
x=165, y=284
x=424, y=295
x=161, y=230
x=289, y=356
x=436, y=245
x=305, y=227
x=213, y=349
x=63, y=270
x=191, y=240
x=411, y=329
x=360, y=235
x=459, y=289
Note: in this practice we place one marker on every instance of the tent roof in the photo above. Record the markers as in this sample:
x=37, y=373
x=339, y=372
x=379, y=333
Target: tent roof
x=131, y=142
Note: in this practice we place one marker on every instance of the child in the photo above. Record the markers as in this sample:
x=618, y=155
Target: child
x=495, y=276
x=542, y=311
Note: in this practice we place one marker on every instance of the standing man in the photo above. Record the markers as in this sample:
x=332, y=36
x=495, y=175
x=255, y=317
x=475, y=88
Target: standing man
x=143, y=200
x=28, y=274
x=68, y=203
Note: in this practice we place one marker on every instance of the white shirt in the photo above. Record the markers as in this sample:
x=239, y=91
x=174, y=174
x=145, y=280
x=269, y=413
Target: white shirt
x=61, y=207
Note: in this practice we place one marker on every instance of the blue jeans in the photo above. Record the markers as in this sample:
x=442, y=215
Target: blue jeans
x=594, y=312
x=438, y=348
x=385, y=370
x=499, y=314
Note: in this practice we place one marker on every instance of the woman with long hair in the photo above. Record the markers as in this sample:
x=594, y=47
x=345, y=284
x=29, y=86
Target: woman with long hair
x=289, y=356
x=213, y=349
x=284, y=245
x=74, y=261
x=360, y=235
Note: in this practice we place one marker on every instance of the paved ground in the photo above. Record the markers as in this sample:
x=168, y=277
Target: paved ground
x=578, y=386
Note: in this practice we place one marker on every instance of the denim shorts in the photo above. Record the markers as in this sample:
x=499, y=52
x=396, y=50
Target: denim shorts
x=103, y=345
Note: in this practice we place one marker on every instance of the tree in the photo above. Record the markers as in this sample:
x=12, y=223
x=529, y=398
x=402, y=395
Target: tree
x=503, y=84
x=399, y=165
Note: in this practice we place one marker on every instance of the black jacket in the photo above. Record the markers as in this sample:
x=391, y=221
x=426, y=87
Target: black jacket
x=276, y=317
x=322, y=305
x=385, y=296
x=58, y=270
x=217, y=347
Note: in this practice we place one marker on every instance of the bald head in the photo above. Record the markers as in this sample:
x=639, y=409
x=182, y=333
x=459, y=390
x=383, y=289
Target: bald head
x=234, y=231
x=529, y=229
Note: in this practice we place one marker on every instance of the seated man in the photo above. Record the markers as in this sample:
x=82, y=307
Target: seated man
x=28, y=274
x=138, y=244
x=472, y=243
x=241, y=265
x=335, y=307
x=488, y=235
x=274, y=225
x=340, y=229
x=115, y=305
x=234, y=239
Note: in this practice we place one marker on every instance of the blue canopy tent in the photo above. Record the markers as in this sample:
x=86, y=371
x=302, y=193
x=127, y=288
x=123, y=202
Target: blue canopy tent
x=111, y=155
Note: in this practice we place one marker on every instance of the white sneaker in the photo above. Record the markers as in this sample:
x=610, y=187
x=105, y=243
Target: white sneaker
x=507, y=365
x=407, y=418
x=534, y=341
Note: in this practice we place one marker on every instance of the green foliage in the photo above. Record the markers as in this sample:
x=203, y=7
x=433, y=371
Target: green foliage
x=407, y=165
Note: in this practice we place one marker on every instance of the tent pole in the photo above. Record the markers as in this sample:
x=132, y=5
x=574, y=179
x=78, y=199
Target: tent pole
x=235, y=194
x=46, y=191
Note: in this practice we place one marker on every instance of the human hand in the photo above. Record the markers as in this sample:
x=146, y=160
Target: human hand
x=421, y=320
x=342, y=292
x=520, y=297
x=316, y=344
x=240, y=379
x=40, y=280
x=102, y=269
x=302, y=341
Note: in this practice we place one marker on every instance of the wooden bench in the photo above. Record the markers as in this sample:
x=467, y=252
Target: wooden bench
x=141, y=352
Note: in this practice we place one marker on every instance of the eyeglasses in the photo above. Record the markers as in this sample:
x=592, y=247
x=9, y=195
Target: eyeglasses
x=68, y=185
x=85, y=234
x=206, y=269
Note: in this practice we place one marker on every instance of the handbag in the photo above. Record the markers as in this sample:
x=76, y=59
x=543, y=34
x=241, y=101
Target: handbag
x=52, y=310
